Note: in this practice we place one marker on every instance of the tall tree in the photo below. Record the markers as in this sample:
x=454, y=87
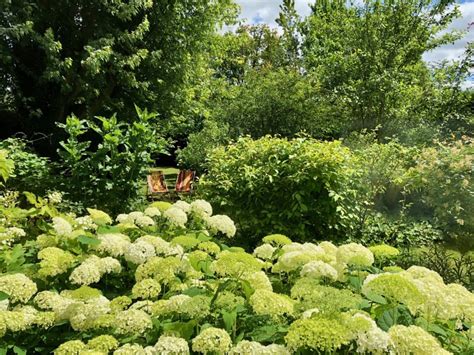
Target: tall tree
x=91, y=57
x=369, y=56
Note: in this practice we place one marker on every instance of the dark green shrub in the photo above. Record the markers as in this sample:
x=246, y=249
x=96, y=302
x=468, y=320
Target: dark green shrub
x=300, y=188
x=194, y=155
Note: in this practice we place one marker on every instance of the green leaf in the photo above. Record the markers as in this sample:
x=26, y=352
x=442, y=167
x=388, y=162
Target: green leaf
x=229, y=318
x=376, y=298
x=19, y=351
x=83, y=239
x=3, y=296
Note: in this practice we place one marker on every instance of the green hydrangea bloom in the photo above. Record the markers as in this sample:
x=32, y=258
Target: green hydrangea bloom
x=82, y=293
x=277, y=240
x=186, y=241
x=161, y=269
x=266, y=302
x=235, y=263
x=320, y=334
x=161, y=205
x=328, y=300
x=396, y=288
x=104, y=343
x=146, y=289
x=54, y=261
x=414, y=340
x=72, y=347
x=18, y=287
x=212, y=340
x=209, y=247
x=384, y=251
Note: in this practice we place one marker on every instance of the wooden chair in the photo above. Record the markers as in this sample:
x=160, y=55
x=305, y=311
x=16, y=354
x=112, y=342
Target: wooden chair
x=184, y=181
x=156, y=183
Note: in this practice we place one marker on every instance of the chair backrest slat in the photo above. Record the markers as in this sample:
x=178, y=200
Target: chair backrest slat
x=184, y=181
x=157, y=183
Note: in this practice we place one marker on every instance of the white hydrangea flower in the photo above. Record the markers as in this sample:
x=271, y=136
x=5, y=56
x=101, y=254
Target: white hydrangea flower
x=183, y=205
x=61, y=226
x=318, y=269
x=19, y=287
x=124, y=218
x=86, y=223
x=169, y=345
x=176, y=216
x=201, y=208
x=16, y=232
x=223, y=224
x=55, y=197
x=152, y=212
x=135, y=214
x=246, y=347
x=374, y=341
x=264, y=252
x=139, y=252
x=87, y=273
x=114, y=244
x=275, y=349
x=355, y=254
x=144, y=221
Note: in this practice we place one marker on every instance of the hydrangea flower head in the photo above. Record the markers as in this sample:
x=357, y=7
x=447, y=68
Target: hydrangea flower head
x=212, y=340
x=169, y=345
x=355, y=254
x=320, y=334
x=183, y=205
x=384, y=251
x=319, y=269
x=277, y=240
x=176, y=216
x=139, y=252
x=395, y=287
x=414, y=340
x=61, y=226
x=264, y=252
x=266, y=302
x=54, y=261
x=19, y=287
x=222, y=224
x=201, y=208
x=99, y=217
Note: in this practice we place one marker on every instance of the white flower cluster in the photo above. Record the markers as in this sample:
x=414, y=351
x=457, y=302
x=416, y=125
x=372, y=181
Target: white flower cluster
x=61, y=226
x=55, y=197
x=10, y=235
x=169, y=345
x=18, y=287
x=222, y=224
x=139, y=252
x=93, y=268
x=319, y=269
x=86, y=223
x=201, y=208
x=113, y=244
x=176, y=216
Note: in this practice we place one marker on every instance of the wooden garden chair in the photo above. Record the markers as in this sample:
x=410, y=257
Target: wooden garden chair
x=156, y=183
x=184, y=181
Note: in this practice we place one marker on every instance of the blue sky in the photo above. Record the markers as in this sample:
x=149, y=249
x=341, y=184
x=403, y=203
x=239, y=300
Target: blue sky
x=266, y=11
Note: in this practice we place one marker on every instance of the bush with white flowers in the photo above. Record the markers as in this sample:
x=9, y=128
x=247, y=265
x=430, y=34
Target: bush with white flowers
x=166, y=280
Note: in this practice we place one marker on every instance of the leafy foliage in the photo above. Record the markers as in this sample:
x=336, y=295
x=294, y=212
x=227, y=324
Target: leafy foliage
x=32, y=172
x=295, y=187
x=110, y=175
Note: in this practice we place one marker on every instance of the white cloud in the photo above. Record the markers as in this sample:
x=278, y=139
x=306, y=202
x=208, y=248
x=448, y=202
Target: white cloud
x=455, y=50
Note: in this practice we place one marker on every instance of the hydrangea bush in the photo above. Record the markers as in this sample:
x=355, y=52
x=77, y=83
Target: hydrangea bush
x=166, y=280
